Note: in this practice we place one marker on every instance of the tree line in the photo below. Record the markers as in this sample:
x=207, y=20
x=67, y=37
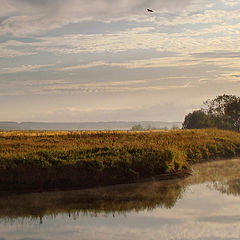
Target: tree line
x=222, y=112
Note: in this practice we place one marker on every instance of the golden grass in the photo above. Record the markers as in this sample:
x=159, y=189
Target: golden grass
x=42, y=159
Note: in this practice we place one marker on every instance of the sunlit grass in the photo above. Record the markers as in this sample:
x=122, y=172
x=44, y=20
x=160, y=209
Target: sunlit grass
x=46, y=159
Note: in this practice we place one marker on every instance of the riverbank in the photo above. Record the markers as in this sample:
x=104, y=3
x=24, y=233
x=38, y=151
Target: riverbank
x=48, y=160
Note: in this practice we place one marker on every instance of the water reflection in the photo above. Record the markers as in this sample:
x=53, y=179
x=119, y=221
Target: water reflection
x=204, y=206
x=109, y=200
x=120, y=199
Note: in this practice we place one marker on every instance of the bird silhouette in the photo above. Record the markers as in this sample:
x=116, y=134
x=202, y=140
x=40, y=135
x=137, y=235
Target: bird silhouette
x=149, y=10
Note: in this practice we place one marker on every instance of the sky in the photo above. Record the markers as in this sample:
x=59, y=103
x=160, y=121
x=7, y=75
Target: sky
x=111, y=60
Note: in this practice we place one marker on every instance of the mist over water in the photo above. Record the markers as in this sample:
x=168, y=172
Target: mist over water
x=203, y=206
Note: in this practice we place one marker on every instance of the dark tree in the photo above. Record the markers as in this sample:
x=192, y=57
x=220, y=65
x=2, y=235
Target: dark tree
x=233, y=112
x=222, y=112
x=138, y=127
x=197, y=119
x=225, y=111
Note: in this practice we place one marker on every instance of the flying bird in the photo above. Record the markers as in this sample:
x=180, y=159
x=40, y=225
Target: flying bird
x=149, y=10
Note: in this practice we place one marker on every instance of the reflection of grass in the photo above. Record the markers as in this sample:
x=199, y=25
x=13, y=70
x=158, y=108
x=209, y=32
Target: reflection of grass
x=223, y=174
x=117, y=199
x=81, y=159
x=120, y=199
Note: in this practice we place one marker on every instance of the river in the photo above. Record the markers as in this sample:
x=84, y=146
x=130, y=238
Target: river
x=204, y=206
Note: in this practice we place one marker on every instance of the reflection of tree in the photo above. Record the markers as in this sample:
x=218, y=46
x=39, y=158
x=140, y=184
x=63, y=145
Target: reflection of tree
x=224, y=175
x=231, y=187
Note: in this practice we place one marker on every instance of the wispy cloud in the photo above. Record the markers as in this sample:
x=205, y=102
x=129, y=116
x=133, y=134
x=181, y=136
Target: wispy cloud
x=84, y=66
x=230, y=3
x=112, y=87
x=63, y=86
x=30, y=17
x=188, y=41
x=24, y=68
x=147, y=63
x=217, y=54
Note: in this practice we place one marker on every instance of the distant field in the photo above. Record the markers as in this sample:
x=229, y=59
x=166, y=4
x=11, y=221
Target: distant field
x=41, y=160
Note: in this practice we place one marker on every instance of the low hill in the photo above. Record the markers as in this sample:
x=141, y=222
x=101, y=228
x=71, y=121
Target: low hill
x=59, y=126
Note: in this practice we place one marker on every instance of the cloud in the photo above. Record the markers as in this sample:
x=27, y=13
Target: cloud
x=133, y=64
x=217, y=54
x=231, y=76
x=185, y=42
x=8, y=50
x=158, y=62
x=28, y=17
x=230, y=3
x=49, y=87
x=112, y=87
x=236, y=76
x=204, y=17
x=84, y=66
x=31, y=238
x=221, y=37
x=23, y=68
x=7, y=8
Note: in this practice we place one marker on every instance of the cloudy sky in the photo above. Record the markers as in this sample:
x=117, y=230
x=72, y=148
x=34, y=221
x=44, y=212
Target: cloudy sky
x=105, y=60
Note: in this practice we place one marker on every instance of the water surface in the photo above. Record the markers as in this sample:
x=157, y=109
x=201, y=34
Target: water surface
x=204, y=206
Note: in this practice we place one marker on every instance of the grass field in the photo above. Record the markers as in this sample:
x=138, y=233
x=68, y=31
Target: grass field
x=42, y=160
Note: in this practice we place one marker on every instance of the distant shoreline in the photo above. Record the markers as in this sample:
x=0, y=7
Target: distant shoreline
x=111, y=125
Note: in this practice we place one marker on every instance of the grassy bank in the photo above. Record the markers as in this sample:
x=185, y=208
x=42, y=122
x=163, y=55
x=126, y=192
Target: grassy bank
x=41, y=160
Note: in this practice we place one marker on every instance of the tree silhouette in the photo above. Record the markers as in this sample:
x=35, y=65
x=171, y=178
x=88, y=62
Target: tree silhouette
x=221, y=112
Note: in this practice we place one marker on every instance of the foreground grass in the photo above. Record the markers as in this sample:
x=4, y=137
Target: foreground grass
x=41, y=160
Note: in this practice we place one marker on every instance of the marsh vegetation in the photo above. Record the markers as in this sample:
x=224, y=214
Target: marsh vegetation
x=43, y=160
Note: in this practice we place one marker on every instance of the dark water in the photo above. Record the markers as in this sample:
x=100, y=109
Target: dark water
x=204, y=206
